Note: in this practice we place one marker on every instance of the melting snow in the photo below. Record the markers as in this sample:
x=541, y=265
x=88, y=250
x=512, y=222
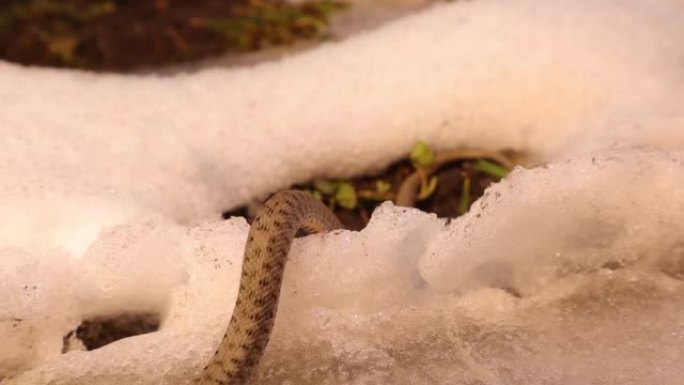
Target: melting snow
x=569, y=272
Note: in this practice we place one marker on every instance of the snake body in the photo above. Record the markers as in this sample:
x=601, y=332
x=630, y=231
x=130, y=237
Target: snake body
x=268, y=245
x=266, y=251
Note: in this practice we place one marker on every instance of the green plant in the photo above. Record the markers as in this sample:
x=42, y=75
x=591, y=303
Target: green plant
x=338, y=193
x=423, y=158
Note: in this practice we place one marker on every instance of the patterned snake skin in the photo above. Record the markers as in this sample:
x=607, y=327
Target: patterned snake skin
x=268, y=245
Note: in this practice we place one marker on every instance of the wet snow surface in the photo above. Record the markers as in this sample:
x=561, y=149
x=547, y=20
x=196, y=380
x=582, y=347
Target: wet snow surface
x=568, y=271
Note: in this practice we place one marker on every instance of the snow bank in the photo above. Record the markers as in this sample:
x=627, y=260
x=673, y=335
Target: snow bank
x=499, y=297
x=529, y=74
x=568, y=273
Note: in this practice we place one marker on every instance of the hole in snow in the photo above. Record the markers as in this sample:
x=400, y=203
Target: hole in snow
x=97, y=332
x=241, y=211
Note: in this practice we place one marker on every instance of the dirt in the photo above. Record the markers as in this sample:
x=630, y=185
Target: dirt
x=122, y=35
x=447, y=200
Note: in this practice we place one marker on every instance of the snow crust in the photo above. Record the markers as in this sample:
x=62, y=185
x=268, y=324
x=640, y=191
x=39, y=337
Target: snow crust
x=569, y=272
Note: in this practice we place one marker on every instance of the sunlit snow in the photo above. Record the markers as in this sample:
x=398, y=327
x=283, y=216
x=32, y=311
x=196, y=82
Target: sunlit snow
x=568, y=271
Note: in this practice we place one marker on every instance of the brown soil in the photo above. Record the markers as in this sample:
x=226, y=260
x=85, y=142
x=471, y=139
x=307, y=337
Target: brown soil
x=126, y=35
x=446, y=201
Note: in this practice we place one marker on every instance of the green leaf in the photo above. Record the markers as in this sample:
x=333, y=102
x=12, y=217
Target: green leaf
x=422, y=155
x=464, y=203
x=426, y=191
x=491, y=168
x=346, y=196
x=382, y=187
x=102, y=9
x=326, y=187
x=382, y=192
x=63, y=46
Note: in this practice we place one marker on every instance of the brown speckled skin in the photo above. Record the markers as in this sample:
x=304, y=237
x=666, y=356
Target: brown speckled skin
x=268, y=245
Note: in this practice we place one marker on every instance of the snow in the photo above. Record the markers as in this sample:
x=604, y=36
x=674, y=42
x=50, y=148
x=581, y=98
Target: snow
x=568, y=272
x=588, y=222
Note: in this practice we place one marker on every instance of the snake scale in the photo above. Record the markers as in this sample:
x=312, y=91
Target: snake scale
x=268, y=245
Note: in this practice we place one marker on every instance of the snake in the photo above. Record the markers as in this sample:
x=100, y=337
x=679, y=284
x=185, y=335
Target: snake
x=268, y=244
x=266, y=252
